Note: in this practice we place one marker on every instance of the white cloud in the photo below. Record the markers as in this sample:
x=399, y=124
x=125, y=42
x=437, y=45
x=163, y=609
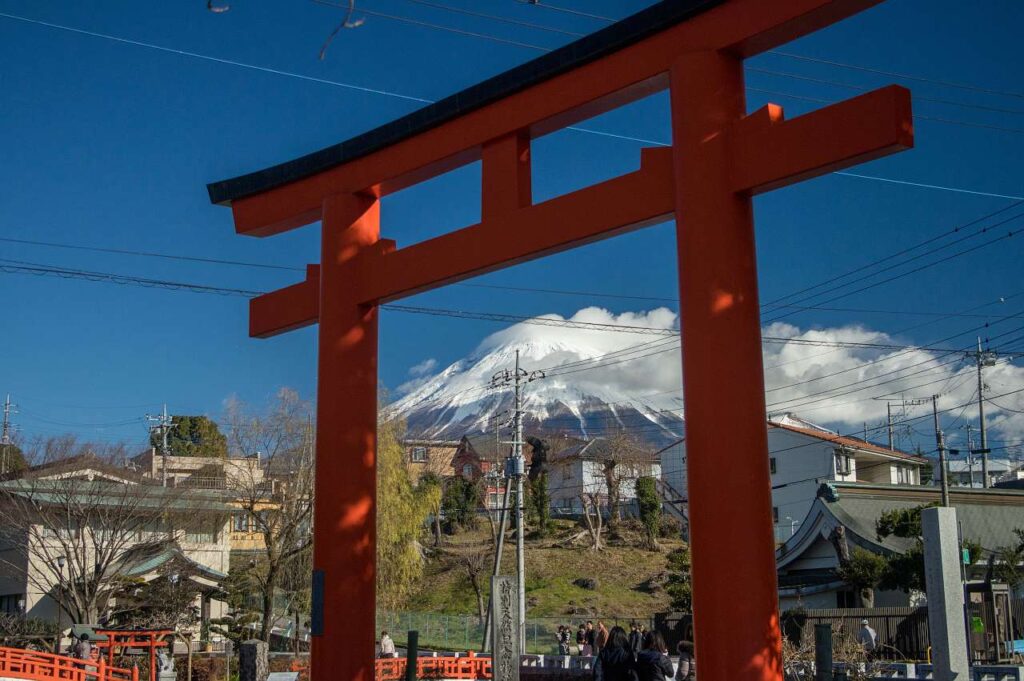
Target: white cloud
x=843, y=387
x=424, y=367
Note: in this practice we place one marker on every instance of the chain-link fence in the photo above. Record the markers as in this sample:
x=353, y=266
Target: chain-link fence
x=465, y=632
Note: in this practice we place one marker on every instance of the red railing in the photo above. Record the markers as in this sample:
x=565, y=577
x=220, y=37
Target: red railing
x=29, y=664
x=447, y=667
x=468, y=667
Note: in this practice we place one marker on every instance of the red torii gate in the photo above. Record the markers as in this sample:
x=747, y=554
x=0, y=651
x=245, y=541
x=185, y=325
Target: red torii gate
x=720, y=157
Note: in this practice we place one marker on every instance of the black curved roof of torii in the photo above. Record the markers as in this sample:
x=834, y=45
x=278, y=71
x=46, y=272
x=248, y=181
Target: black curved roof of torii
x=633, y=29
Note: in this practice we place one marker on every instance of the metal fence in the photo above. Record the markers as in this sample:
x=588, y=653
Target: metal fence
x=465, y=632
x=902, y=632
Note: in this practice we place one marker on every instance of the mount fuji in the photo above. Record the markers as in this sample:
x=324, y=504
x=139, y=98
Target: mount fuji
x=587, y=383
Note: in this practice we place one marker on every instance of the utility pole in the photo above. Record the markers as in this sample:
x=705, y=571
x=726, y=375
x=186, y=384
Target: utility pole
x=970, y=455
x=162, y=425
x=983, y=359
x=516, y=468
x=5, y=435
x=941, y=444
x=888, y=421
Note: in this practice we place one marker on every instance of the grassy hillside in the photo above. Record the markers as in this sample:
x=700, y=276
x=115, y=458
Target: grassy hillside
x=630, y=579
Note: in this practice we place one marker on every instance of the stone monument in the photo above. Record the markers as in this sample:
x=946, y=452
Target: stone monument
x=945, y=588
x=505, y=629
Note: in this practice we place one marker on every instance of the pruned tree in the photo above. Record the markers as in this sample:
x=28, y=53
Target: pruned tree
x=592, y=516
x=75, y=538
x=622, y=459
x=277, y=496
x=477, y=564
x=680, y=583
x=864, y=571
x=650, y=509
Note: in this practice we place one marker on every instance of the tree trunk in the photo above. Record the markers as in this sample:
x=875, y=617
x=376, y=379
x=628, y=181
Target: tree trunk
x=437, y=527
x=867, y=597
x=269, y=587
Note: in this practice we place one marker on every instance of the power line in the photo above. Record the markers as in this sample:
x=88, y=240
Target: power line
x=437, y=27
x=388, y=93
x=151, y=254
x=494, y=17
x=895, y=74
x=566, y=10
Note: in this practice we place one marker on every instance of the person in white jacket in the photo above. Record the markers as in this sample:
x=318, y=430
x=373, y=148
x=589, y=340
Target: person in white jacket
x=387, y=646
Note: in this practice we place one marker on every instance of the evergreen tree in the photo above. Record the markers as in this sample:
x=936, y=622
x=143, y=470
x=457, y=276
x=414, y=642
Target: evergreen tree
x=193, y=436
x=650, y=509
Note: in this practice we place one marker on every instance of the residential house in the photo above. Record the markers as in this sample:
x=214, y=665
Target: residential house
x=966, y=471
x=70, y=507
x=801, y=456
x=808, y=564
x=433, y=456
x=211, y=472
x=482, y=458
x=577, y=467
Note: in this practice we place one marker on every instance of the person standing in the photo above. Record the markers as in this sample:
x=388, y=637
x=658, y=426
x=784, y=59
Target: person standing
x=615, y=662
x=588, y=643
x=687, y=670
x=601, y=638
x=867, y=638
x=635, y=638
x=387, y=646
x=581, y=639
x=652, y=663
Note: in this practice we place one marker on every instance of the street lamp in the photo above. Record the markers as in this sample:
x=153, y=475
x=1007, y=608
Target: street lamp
x=61, y=561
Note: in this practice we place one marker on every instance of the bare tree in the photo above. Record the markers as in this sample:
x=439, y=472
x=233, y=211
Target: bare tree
x=477, y=564
x=74, y=538
x=277, y=495
x=622, y=459
x=592, y=516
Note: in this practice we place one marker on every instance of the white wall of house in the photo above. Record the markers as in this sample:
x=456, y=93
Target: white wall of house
x=798, y=464
x=569, y=478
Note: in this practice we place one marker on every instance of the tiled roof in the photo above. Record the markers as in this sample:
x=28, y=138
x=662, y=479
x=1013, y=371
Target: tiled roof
x=852, y=442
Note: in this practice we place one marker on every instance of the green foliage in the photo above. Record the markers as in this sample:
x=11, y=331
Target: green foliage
x=538, y=505
x=1009, y=560
x=901, y=522
x=865, y=569
x=927, y=473
x=459, y=504
x=166, y=602
x=905, y=572
x=650, y=509
x=12, y=459
x=974, y=550
x=193, y=436
x=401, y=510
x=680, y=585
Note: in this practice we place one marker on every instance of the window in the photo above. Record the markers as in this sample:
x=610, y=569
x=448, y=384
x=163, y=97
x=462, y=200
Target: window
x=240, y=522
x=771, y=465
x=844, y=463
x=12, y=604
x=418, y=455
x=775, y=514
x=204, y=532
x=845, y=599
x=467, y=471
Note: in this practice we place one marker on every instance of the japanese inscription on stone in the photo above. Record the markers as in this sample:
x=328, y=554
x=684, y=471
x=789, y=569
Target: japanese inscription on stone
x=505, y=629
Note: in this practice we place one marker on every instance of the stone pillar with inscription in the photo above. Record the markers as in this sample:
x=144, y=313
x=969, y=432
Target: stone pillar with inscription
x=505, y=629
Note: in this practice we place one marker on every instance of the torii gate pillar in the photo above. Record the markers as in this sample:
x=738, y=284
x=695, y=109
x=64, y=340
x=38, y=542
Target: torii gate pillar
x=733, y=559
x=720, y=157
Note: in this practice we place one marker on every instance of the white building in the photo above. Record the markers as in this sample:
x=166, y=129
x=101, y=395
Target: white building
x=802, y=456
x=80, y=512
x=577, y=467
x=962, y=469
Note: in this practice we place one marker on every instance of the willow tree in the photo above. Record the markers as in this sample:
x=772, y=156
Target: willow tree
x=402, y=510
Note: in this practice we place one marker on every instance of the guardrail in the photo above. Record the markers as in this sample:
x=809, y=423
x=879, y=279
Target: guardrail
x=35, y=666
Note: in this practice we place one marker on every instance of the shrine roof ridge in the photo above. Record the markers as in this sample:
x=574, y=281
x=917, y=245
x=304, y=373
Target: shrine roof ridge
x=634, y=28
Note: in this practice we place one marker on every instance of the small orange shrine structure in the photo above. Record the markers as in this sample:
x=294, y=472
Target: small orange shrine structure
x=721, y=156
x=119, y=640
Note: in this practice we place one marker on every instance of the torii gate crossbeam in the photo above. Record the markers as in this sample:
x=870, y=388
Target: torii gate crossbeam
x=720, y=158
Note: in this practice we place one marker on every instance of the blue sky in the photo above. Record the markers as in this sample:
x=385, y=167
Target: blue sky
x=110, y=144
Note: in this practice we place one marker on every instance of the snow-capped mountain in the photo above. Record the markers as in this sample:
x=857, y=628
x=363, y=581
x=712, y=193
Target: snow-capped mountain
x=591, y=385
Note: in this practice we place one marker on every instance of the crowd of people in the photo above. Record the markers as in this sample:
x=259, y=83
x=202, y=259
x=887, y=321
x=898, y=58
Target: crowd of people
x=640, y=655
